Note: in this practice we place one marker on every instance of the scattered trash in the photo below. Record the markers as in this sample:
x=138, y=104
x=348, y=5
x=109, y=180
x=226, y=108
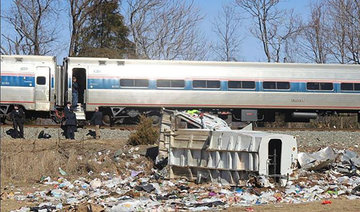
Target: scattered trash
x=96, y=183
x=356, y=191
x=62, y=172
x=138, y=188
x=317, y=160
x=326, y=202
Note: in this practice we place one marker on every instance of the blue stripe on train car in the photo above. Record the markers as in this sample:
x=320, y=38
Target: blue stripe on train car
x=19, y=81
x=103, y=83
x=294, y=86
x=52, y=82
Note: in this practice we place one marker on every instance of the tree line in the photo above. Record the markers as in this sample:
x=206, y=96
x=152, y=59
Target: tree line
x=170, y=29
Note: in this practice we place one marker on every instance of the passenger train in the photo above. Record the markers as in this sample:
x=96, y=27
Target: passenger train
x=236, y=91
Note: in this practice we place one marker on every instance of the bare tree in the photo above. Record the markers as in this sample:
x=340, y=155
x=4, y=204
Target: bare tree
x=226, y=28
x=79, y=11
x=345, y=30
x=316, y=44
x=274, y=27
x=32, y=32
x=165, y=29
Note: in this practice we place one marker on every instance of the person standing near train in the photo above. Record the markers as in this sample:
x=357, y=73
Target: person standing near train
x=70, y=123
x=18, y=118
x=97, y=121
x=75, y=92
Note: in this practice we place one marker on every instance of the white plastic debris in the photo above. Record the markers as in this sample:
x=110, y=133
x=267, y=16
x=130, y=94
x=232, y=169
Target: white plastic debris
x=317, y=160
x=96, y=183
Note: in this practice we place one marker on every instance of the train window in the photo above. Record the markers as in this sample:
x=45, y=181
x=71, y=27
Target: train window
x=177, y=83
x=141, y=83
x=313, y=86
x=170, y=83
x=134, y=83
x=241, y=84
x=347, y=86
x=199, y=83
x=206, y=84
x=276, y=85
x=234, y=84
x=40, y=80
x=163, y=83
x=283, y=85
x=357, y=86
x=350, y=86
x=324, y=86
x=213, y=84
x=248, y=84
x=127, y=82
x=269, y=85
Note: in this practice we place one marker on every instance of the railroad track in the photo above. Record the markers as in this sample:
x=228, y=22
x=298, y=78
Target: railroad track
x=133, y=126
x=120, y=127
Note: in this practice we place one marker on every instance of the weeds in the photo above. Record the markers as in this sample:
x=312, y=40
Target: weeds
x=145, y=132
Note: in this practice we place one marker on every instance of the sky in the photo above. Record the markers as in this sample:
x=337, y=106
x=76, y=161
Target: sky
x=250, y=49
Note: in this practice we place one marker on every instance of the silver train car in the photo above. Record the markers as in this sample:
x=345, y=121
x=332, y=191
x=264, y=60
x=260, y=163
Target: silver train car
x=28, y=81
x=238, y=91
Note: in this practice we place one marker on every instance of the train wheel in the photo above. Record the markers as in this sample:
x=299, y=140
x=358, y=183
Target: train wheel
x=106, y=120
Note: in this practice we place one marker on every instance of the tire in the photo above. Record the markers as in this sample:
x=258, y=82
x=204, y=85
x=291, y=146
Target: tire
x=106, y=120
x=156, y=119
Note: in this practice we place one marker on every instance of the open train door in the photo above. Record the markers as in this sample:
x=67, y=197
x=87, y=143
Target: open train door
x=42, y=88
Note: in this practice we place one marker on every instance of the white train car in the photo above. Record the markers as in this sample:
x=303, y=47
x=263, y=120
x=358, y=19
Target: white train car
x=28, y=81
x=248, y=91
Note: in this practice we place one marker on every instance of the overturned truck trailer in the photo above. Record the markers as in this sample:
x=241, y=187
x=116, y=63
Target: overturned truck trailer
x=224, y=156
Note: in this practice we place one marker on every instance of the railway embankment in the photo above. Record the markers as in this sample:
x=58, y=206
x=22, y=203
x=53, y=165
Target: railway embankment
x=89, y=173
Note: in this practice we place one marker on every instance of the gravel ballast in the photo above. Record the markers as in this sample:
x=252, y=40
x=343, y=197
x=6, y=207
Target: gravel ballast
x=305, y=138
x=81, y=134
x=317, y=139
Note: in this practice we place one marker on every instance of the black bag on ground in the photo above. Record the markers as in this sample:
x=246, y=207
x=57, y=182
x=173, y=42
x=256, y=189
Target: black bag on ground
x=43, y=135
x=91, y=133
x=13, y=133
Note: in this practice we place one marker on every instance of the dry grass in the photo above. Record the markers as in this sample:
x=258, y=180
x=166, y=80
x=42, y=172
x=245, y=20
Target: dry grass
x=145, y=133
x=23, y=161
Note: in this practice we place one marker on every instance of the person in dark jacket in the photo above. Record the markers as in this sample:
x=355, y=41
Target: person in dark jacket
x=97, y=121
x=70, y=124
x=75, y=93
x=18, y=118
x=67, y=108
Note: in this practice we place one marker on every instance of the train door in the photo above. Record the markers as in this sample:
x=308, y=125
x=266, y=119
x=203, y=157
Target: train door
x=42, y=88
x=274, y=156
x=80, y=74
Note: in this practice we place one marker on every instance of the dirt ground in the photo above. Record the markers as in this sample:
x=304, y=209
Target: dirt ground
x=336, y=205
x=24, y=162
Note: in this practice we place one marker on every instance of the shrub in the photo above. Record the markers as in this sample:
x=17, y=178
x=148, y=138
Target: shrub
x=145, y=132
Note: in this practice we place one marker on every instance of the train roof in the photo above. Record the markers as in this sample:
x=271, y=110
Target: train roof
x=27, y=58
x=104, y=61
x=212, y=63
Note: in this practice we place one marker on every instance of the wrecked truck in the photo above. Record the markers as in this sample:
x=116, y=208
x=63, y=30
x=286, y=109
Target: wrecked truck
x=202, y=148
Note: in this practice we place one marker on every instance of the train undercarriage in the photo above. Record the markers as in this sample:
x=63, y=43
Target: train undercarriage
x=236, y=117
